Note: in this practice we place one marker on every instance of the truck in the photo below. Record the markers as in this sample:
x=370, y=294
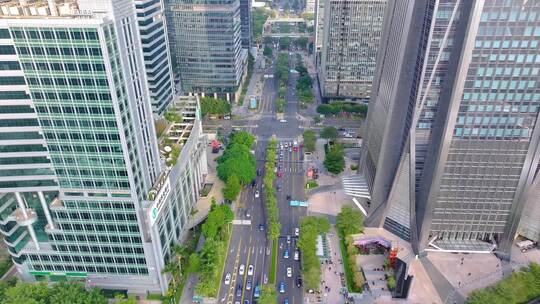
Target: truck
x=295, y=146
x=252, y=103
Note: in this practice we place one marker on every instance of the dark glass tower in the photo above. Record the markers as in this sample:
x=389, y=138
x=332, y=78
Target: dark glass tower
x=452, y=144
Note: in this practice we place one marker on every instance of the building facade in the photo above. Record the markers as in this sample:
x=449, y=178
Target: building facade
x=351, y=34
x=452, y=145
x=155, y=44
x=245, y=18
x=207, y=46
x=79, y=154
x=310, y=6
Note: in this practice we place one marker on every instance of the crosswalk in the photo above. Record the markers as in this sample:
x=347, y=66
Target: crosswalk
x=356, y=185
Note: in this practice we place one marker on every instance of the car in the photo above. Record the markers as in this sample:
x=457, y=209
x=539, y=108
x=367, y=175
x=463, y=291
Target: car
x=283, y=120
x=298, y=281
x=227, y=117
x=278, y=188
x=288, y=196
x=257, y=292
x=261, y=227
x=250, y=270
x=288, y=239
x=246, y=301
x=257, y=193
x=239, y=290
x=259, y=172
x=241, y=270
x=286, y=301
x=248, y=285
x=290, y=150
x=296, y=255
x=281, y=287
x=286, y=254
x=297, y=231
x=227, y=279
x=289, y=272
x=248, y=214
x=236, y=302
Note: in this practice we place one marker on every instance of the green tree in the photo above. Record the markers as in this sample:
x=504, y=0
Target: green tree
x=237, y=160
x=334, y=160
x=284, y=43
x=242, y=138
x=302, y=42
x=310, y=139
x=232, y=188
x=329, y=132
x=349, y=221
x=61, y=292
x=214, y=106
x=258, y=18
x=267, y=51
x=172, y=268
x=304, y=83
x=310, y=228
x=324, y=109
x=218, y=217
x=268, y=295
x=280, y=105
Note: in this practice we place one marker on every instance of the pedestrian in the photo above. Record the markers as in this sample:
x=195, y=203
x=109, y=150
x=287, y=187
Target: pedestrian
x=459, y=283
x=469, y=274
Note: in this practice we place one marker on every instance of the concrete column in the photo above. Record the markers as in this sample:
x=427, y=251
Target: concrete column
x=31, y=231
x=45, y=208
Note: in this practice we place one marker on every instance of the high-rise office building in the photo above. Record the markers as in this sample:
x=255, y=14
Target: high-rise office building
x=155, y=45
x=245, y=19
x=207, y=46
x=319, y=27
x=84, y=191
x=452, y=142
x=351, y=34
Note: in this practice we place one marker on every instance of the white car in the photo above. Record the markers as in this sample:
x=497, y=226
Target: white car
x=250, y=270
x=296, y=255
x=257, y=193
x=289, y=272
x=242, y=269
x=283, y=120
x=227, y=279
x=297, y=231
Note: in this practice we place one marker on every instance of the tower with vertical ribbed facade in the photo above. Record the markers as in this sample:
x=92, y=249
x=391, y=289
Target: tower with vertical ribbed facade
x=157, y=60
x=79, y=159
x=452, y=139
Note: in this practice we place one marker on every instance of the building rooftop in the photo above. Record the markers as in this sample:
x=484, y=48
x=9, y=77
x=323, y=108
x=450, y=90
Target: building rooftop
x=41, y=8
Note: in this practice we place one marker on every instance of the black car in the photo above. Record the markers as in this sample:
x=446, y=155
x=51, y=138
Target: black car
x=288, y=196
x=239, y=290
x=298, y=281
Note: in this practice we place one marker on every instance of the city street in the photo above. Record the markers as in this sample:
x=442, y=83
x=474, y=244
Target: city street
x=249, y=245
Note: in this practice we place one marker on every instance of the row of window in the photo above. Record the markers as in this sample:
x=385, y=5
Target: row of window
x=71, y=182
x=79, y=110
x=502, y=108
x=533, y=44
x=492, y=132
x=87, y=136
x=501, y=96
x=98, y=216
x=118, y=260
x=87, y=82
x=97, y=238
x=519, y=58
x=52, y=66
x=97, y=204
x=91, y=269
x=507, y=71
x=102, y=228
x=51, y=33
x=77, y=96
x=55, y=51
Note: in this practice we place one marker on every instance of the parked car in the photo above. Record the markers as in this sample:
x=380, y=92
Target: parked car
x=296, y=255
x=297, y=231
x=227, y=279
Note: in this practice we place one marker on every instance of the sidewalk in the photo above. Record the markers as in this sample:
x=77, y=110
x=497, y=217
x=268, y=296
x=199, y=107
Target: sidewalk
x=332, y=280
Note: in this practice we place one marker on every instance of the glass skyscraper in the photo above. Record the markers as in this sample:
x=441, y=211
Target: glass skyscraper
x=79, y=156
x=206, y=42
x=155, y=44
x=452, y=144
x=351, y=34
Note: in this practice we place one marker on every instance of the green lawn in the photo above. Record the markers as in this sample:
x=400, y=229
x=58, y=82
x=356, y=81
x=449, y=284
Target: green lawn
x=273, y=266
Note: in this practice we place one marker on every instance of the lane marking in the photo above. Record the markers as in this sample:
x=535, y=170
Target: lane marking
x=245, y=277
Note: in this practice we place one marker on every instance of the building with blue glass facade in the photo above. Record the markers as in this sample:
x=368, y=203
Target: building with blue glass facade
x=452, y=145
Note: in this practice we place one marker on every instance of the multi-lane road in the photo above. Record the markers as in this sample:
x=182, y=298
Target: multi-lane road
x=249, y=244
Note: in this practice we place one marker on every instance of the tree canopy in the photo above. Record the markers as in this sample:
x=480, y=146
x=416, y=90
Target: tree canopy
x=329, y=132
x=310, y=139
x=520, y=287
x=37, y=293
x=237, y=160
x=214, y=106
x=267, y=51
x=232, y=188
x=350, y=221
x=310, y=228
x=334, y=160
x=243, y=138
x=268, y=295
x=282, y=67
x=258, y=18
x=336, y=108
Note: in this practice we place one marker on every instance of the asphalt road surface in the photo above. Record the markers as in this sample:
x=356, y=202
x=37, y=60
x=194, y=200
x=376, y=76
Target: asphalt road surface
x=249, y=244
